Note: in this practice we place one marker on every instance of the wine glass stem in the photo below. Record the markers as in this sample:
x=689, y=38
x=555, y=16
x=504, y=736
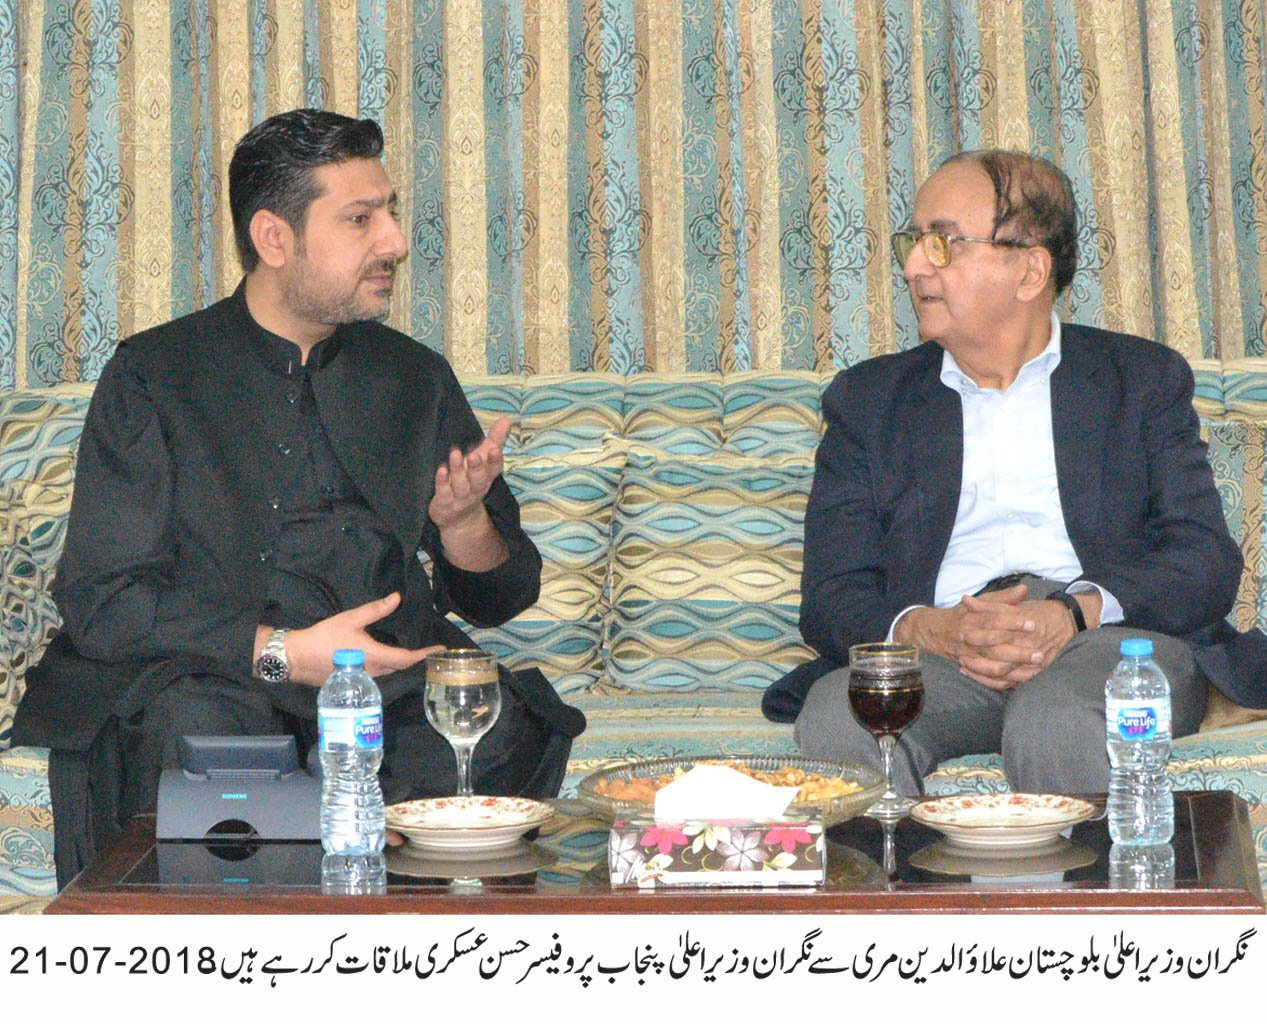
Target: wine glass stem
x=887, y=743
x=463, y=752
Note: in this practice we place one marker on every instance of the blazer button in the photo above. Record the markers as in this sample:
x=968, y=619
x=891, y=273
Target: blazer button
x=266, y=554
x=274, y=503
x=292, y=396
x=283, y=448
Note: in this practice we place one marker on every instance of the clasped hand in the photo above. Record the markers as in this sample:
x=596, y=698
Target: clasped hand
x=1000, y=639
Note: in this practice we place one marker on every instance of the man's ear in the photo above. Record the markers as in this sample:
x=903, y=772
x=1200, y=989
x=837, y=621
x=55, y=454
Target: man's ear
x=1037, y=274
x=273, y=238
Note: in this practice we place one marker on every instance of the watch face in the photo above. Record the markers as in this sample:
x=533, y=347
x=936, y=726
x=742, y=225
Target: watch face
x=272, y=669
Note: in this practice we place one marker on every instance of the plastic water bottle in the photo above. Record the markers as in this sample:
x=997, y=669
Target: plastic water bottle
x=1141, y=867
x=350, y=745
x=1141, y=810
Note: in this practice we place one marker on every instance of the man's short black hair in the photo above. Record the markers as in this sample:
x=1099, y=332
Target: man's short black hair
x=272, y=167
x=1034, y=199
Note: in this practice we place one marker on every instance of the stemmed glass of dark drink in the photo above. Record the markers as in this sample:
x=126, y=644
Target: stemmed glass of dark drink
x=886, y=694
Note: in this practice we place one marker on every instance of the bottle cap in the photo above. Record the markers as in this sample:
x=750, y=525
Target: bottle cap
x=354, y=657
x=1137, y=647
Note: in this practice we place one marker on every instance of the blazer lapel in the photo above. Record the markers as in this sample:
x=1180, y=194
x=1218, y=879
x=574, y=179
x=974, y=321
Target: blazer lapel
x=937, y=444
x=1080, y=406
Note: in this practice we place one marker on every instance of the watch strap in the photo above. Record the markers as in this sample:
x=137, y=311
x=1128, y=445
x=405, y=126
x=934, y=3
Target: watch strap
x=1075, y=609
x=273, y=665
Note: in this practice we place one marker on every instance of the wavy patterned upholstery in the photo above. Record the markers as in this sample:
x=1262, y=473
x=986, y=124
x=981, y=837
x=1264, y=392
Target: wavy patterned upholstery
x=26, y=824
x=492, y=397
x=1245, y=387
x=564, y=411
x=1236, y=450
x=676, y=413
x=27, y=612
x=767, y=415
x=668, y=509
x=566, y=504
x=706, y=566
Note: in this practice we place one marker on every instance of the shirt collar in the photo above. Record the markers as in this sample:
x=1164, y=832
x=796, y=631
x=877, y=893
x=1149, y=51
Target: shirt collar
x=1042, y=365
x=273, y=351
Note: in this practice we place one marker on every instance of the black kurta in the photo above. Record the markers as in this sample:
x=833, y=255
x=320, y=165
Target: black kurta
x=221, y=485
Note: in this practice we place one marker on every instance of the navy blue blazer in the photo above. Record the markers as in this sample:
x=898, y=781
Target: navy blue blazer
x=1136, y=491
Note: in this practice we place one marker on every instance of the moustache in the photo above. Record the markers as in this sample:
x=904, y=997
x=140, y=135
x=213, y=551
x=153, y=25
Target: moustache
x=380, y=267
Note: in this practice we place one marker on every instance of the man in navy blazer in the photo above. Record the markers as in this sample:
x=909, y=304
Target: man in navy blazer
x=1013, y=499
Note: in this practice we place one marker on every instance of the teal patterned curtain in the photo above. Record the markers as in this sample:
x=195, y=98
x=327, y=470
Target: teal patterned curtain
x=634, y=184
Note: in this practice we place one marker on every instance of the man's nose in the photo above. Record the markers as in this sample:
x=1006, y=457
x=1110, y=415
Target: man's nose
x=391, y=242
x=917, y=263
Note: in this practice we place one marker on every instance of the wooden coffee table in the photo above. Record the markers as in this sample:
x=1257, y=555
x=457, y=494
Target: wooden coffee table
x=1215, y=872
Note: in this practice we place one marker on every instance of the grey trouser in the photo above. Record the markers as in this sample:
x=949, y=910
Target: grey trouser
x=1050, y=729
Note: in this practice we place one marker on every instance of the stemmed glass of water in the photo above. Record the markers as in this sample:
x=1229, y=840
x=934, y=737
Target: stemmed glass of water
x=463, y=701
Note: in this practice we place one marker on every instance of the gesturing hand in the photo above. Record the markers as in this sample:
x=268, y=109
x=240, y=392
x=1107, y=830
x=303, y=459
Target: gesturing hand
x=310, y=650
x=464, y=480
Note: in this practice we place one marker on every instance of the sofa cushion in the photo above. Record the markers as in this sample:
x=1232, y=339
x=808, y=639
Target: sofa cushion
x=494, y=397
x=561, y=412
x=677, y=413
x=565, y=504
x=705, y=584
x=28, y=615
x=26, y=825
x=768, y=415
x=1245, y=386
x=1236, y=455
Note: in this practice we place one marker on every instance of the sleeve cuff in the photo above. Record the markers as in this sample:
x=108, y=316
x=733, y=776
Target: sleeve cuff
x=1111, y=609
x=893, y=626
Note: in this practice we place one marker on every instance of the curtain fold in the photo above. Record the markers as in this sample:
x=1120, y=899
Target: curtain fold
x=628, y=185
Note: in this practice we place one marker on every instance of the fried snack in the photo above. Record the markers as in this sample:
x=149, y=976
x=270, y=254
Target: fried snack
x=812, y=787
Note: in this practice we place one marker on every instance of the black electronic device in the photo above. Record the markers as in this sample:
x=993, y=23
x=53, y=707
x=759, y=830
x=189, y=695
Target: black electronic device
x=241, y=788
x=237, y=863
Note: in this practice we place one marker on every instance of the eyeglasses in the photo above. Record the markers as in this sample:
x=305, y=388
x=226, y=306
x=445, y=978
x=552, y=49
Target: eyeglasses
x=937, y=245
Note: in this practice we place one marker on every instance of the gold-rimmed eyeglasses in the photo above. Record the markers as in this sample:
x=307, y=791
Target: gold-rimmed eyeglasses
x=937, y=245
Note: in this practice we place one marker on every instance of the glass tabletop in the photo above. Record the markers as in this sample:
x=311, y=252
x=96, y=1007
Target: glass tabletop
x=570, y=852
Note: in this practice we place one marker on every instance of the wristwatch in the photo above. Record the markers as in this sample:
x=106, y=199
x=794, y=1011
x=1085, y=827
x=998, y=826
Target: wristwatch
x=1075, y=609
x=272, y=665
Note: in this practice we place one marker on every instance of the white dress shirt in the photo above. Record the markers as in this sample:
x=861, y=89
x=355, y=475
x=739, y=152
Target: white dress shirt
x=1009, y=517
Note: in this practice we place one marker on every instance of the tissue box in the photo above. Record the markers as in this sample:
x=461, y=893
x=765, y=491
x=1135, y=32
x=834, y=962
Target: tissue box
x=645, y=853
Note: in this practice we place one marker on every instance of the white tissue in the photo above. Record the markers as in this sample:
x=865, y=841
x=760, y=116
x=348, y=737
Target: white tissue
x=714, y=792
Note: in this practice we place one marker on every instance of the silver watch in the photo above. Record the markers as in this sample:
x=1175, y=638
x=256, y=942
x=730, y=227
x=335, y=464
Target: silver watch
x=272, y=665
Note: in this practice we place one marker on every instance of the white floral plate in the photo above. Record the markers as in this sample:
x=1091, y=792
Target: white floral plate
x=944, y=857
x=1002, y=819
x=469, y=825
x=520, y=858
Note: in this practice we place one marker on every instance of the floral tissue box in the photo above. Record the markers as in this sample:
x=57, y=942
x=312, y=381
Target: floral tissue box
x=645, y=853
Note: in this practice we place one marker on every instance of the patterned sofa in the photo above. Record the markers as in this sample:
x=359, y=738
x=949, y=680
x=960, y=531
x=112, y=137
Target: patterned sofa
x=668, y=509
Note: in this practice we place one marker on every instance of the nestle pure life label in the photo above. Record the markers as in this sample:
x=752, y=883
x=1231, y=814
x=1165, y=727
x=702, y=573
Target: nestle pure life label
x=1134, y=722
x=349, y=727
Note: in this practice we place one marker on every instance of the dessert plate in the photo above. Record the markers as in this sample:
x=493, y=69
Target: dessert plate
x=468, y=825
x=520, y=858
x=1057, y=855
x=993, y=820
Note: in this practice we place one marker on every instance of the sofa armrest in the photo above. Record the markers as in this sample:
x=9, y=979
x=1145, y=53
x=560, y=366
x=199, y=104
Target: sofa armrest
x=28, y=616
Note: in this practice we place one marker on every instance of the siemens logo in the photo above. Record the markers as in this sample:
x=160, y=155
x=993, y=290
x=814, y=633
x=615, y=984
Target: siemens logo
x=232, y=796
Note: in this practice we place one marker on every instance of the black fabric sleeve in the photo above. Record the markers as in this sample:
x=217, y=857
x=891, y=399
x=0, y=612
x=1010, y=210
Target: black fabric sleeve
x=481, y=598
x=116, y=588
